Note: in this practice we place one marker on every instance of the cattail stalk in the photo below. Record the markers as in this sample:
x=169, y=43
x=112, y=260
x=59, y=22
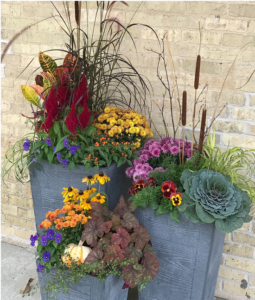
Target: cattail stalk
x=184, y=112
x=202, y=131
x=196, y=84
x=77, y=7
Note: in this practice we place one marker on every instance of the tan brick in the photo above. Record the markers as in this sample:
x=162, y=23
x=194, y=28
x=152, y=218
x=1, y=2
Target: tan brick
x=237, y=98
x=251, y=129
x=26, y=49
x=7, y=82
x=18, y=23
x=210, y=8
x=252, y=100
x=244, y=238
x=238, y=250
x=242, y=10
x=32, y=61
x=9, y=209
x=206, y=66
x=24, y=234
x=186, y=50
x=37, y=37
x=13, y=188
x=3, y=217
x=211, y=38
x=240, y=264
x=244, y=114
x=237, y=290
x=174, y=35
x=232, y=127
x=245, y=142
x=39, y=11
x=248, y=55
x=10, y=9
x=17, y=221
x=145, y=18
x=5, y=229
x=218, y=52
x=251, y=27
x=231, y=274
x=236, y=40
x=5, y=106
x=254, y=228
x=166, y=6
x=247, y=87
x=26, y=191
x=7, y=94
x=26, y=213
x=4, y=198
x=50, y=25
x=3, y=22
x=245, y=227
x=252, y=280
x=180, y=22
x=217, y=23
x=20, y=201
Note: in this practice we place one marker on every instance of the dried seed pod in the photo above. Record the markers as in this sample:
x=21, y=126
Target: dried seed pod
x=196, y=82
x=184, y=107
x=38, y=126
x=39, y=80
x=202, y=131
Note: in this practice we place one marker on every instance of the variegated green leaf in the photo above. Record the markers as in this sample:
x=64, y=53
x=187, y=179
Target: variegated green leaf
x=30, y=94
x=46, y=86
x=47, y=63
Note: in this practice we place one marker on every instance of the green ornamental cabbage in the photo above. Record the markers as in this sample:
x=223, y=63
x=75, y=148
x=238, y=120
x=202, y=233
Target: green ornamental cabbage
x=210, y=197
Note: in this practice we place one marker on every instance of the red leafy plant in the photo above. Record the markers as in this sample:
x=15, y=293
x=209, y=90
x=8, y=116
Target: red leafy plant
x=120, y=245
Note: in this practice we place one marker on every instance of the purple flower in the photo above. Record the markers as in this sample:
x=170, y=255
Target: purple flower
x=143, y=158
x=50, y=234
x=44, y=240
x=65, y=162
x=129, y=172
x=174, y=150
x=164, y=148
x=138, y=167
x=46, y=256
x=42, y=140
x=152, y=147
x=156, y=152
x=33, y=238
x=164, y=140
x=66, y=143
x=135, y=162
x=147, y=152
x=48, y=141
x=58, y=238
x=187, y=152
x=148, y=143
x=54, y=149
x=38, y=151
x=73, y=149
x=59, y=157
x=40, y=268
x=34, y=159
x=26, y=145
x=136, y=176
x=144, y=176
x=147, y=168
x=160, y=169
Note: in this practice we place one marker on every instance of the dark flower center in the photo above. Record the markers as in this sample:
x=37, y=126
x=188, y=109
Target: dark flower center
x=98, y=197
x=80, y=192
x=101, y=174
x=88, y=201
x=90, y=177
x=70, y=189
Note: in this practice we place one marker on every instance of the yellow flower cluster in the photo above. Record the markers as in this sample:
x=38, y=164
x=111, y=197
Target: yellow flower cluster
x=115, y=121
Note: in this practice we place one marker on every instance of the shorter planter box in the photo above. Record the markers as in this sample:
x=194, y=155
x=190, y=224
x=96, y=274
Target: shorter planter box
x=88, y=288
x=189, y=255
x=48, y=181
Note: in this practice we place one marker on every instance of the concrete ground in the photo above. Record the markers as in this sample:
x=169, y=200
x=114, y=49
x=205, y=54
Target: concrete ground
x=18, y=265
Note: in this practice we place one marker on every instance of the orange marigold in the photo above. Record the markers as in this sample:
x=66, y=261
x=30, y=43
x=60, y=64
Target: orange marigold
x=59, y=225
x=57, y=220
x=68, y=218
x=58, y=211
x=53, y=215
x=84, y=220
x=47, y=224
x=66, y=224
x=41, y=226
x=68, y=207
x=64, y=210
x=62, y=219
x=71, y=213
x=48, y=214
x=73, y=224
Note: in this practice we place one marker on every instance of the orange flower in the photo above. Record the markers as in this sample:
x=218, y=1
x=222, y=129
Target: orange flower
x=57, y=220
x=59, y=225
x=47, y=224
x=75, y=218
x=78, y=208
x=64, y=210
x=41, y=226
x=68, y=207
x=73, y=224
x=68, y=218
x=84, y=220
x=48, y=214
x=62, y=219
x=71, y=213
x=58, y=211
x=66, y=224
x=96, y=144
x=53, y=215
x=72, y=205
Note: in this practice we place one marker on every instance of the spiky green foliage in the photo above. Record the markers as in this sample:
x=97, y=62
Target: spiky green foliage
x=210, y=197
x=236, y=163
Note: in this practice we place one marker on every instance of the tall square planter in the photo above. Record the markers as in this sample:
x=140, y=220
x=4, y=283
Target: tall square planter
x=88, y=288
x=48, y=181
x=189, y=255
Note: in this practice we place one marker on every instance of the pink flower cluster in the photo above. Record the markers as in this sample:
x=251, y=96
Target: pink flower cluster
x=152, y=148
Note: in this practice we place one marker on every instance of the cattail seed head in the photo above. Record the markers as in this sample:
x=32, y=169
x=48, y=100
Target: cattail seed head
x=202, y=131
x=184, y=107
x=197, y=73
x=77, y=12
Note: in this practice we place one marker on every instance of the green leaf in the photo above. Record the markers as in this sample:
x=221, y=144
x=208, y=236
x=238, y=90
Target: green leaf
x=87, y=166
x=174, y=215
x=90, y=129
x=37, y=145
x=191, y=214
x=153, y=204
x=39, y=248
x=228, y=225
x=30, y=94
x=51, y=250
x=55, y=244
x=50, y=156
x=204, y=215
x=47, y=64
x=71, y=165
x=56, y=127
x=83, y=138
x=60, y=144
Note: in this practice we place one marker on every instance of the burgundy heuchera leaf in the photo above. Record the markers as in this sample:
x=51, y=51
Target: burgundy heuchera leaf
x=112, y=253
x=94, y=256
x=140, y=237
x=129, y=221
x=123, y=207
x=93, y=230
x=121, y=238
x=131, y=275
x=150, y=266
x=107, y=226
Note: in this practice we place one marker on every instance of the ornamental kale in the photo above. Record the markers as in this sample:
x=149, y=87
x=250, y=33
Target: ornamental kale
x=210, y=197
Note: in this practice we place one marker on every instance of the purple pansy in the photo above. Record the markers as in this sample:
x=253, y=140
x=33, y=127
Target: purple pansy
x=44, y=240
x=26, y=145
x=50, y=234
x=59, y=157
x=33, y=239
x=73, y=149
x=42, y=140
x=40, y=268
x=34, y=159
x=54, y=149
x=46, y=256
x=58, y=237
x=48, y=141
x=65, y=162
x=66, y=144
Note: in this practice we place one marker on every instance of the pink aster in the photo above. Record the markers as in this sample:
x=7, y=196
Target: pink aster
x=129, y=172
x=155, y=152
x=160, y=169
x=165, y=148
x=138, y=167
x=143, y=158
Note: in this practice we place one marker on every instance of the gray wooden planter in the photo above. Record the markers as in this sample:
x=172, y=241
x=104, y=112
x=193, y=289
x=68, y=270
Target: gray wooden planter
x=88, y=288
x=48, y=181
x=189, y=255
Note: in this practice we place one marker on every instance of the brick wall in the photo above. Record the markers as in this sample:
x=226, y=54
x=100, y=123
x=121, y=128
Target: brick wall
x=226, y=27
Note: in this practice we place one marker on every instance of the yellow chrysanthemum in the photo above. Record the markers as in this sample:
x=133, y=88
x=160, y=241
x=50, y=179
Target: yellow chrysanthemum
x=120, y=121
x=89, y=179
x=131, y=130
x=126, y=124
x=104, y=127
x=113, y=122
x=98, y=198
x=102, y=178
x=111, y=133
x=143, y=133
x=119, y=130
x=107, y=109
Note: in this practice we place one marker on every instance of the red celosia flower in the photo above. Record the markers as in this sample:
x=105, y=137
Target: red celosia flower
x=168, y=187
x=52, y=109
x=72, y=120
x=63, y=95
x=84, y=117
x=81, y=94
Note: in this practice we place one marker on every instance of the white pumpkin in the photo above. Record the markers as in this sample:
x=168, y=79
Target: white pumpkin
x=76, y=253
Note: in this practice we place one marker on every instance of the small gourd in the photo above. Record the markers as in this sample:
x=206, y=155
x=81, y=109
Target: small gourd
x=76, y=253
